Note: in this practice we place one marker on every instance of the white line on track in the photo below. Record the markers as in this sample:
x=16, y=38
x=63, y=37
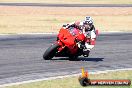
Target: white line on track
x=59, y=77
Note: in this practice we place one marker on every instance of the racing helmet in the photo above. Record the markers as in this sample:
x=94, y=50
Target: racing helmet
x=88, y=19
x=88, y=22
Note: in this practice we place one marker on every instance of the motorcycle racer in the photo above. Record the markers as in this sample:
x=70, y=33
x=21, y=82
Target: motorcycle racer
x=87, y=28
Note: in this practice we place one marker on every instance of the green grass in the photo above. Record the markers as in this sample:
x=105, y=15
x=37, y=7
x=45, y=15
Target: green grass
x=30, y=24
x=72, y=82
x=74, y=1
x=48, y=19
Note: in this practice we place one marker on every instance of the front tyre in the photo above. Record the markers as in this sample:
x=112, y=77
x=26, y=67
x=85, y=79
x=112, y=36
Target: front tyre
x=50, y=52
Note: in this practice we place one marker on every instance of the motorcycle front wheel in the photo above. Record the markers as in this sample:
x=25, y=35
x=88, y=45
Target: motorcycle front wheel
x=50, y=52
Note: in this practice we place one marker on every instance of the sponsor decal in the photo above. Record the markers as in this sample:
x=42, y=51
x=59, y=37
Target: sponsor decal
x=86, y=81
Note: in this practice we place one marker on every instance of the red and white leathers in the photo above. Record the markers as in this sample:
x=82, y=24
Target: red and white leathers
x=91, y=37
x=89, y=34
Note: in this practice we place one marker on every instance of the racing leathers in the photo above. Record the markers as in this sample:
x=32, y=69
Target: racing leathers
x=90, y=35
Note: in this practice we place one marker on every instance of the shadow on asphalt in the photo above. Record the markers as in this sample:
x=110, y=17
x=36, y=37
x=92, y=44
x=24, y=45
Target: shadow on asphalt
x=81, y=59
x=91, y=59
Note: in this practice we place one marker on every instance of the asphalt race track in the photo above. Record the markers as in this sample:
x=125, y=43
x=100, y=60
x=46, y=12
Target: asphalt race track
x=21, y=57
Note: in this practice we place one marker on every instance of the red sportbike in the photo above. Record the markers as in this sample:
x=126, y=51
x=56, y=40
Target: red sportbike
x=67, y=44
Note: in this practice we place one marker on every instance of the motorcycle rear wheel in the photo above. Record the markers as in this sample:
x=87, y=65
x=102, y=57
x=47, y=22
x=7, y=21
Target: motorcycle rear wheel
x=50, y=52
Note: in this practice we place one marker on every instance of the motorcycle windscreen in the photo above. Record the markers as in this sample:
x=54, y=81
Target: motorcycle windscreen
x=66, y=37
x=77, y=33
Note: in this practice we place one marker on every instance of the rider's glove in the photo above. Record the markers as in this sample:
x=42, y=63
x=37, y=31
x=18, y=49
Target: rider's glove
x=66, y=26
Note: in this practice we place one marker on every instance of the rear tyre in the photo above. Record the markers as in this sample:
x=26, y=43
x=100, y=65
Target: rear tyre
x=50, y=52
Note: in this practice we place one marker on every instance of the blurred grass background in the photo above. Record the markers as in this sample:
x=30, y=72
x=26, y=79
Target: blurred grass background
x=50, y=19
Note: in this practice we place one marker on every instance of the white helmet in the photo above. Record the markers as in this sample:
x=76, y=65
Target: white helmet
x=88, y=20
x=88, y=23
